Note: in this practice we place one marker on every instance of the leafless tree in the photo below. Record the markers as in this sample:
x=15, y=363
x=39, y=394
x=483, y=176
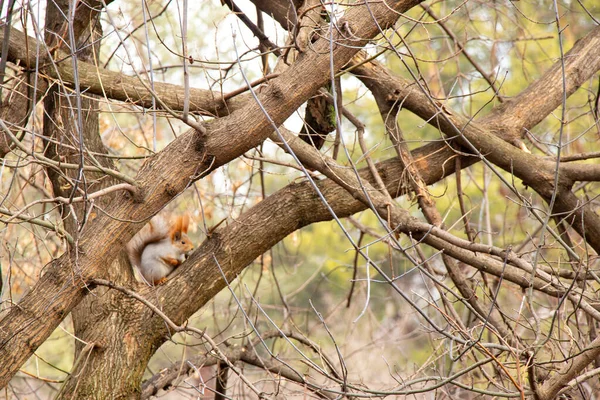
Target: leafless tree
x=451, y=145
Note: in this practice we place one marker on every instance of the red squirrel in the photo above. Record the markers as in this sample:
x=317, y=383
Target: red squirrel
x=159, y=248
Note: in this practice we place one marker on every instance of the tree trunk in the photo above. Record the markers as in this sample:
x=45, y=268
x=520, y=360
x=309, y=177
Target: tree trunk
x=109, y=359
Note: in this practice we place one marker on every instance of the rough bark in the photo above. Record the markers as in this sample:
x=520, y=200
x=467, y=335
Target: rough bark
x=16, y=106
x=100, y=329
x=234, y=246
x=23, y=329
x=508, y=121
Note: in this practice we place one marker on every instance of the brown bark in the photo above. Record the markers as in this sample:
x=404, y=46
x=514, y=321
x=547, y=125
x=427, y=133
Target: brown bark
x=114, y=85
x=282, y=11
x=573, y=368
x=100, y=330
x=15, y=107
x=234, y=246
x=23, y=329
x=508, y=121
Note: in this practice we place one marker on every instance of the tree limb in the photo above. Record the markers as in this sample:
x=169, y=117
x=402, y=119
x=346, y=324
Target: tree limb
x=26, y=326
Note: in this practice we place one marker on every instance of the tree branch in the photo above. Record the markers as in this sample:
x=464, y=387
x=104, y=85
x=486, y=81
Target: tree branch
x=24, y=327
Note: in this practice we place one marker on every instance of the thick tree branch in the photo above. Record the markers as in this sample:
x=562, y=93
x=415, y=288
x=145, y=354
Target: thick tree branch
x=297, y=205
x=581, y=62
x=113, y=85
x=24, y=327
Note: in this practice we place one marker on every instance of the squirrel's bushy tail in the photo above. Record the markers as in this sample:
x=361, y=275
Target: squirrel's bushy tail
x=157, y=229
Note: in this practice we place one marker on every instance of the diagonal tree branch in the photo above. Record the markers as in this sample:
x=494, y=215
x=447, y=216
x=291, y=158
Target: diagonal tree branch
x=522, y=112
x=25, y=326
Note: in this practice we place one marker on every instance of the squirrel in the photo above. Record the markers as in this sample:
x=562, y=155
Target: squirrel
x=159, y=248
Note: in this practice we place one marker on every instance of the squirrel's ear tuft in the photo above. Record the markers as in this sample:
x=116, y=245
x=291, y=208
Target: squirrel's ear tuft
x=185, y=222
x=176, y=229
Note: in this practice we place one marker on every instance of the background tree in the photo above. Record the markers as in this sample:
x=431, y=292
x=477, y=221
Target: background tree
x=453, y=181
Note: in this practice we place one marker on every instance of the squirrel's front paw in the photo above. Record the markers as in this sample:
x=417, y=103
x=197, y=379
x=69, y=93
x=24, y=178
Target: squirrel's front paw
x=160, y=281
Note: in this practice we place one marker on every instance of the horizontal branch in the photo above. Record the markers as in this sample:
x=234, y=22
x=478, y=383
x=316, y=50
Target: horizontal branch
x=113, y=85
